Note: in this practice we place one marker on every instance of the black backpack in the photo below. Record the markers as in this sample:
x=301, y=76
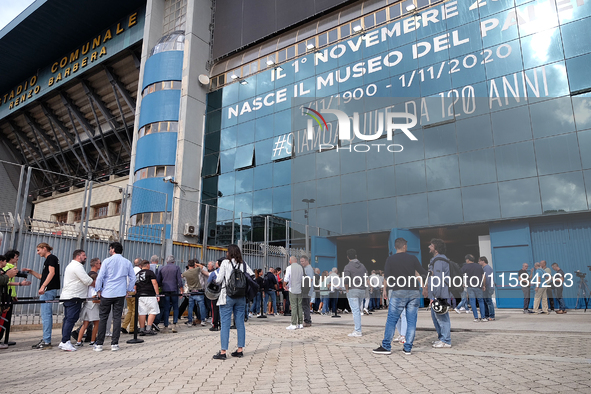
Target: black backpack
x=236, y=286
x=454, y=272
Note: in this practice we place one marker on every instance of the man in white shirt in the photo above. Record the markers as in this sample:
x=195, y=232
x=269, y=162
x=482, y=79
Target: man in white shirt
x=74, y=291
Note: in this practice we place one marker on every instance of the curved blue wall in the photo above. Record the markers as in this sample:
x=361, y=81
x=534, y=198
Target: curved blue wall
x=160, y=106
x=163, y=66
x=158, y=149
x=145, y=200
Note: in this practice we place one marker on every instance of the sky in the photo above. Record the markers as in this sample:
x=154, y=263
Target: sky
x=9, y=9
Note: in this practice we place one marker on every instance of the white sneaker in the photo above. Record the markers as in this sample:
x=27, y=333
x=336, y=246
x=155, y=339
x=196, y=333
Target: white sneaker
x=108, y=334
x=396, y=339
x=468, y=311
x=68, y=347
x=291, y=327
x=203, y=324
x=402, y=340
x=441, y=345
x=258, y=314
x=365, y=311
x=457, y=310
x=98, y=348
x=115, y=348
x=355, y=334
x=435, y=342
x=249, y=314
x=462, y=309
x=300, y=326
x=476, y=320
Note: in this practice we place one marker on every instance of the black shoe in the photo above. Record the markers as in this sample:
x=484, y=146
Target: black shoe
x=150, y=332
x=233, y=327
x=43, y=345
x=404, y=351
x=219, y=356
x=142, y=333
x=155, y=327
x=381, y=350
x=214, y=329
x=37, y=344
x=237, y=354
x=124, y=331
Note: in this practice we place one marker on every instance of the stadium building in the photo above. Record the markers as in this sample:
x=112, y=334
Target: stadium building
x=361, y=120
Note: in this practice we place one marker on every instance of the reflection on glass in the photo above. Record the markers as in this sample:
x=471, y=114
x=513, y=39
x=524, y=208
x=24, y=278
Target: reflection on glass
x=244, y=181
x=515, y=161
x=478, y=167
x=578, y=73
x=354, y=218
x=445, y=207
x=474, y=133
x=262, y=202
x=226, y=184
x=542, y=48
x=443, y=173
x=563, y=193
x=263, y=176
x=354, y=187
x=381, y=183
x=520, y=198
x=328, y=191
x=511, y=125
x=575, y=37
x=381, y=214
x=329, y=218
x=410, y=178
x=552, y=117
x=558, y=154
x=412, y=211
x=481, y=202
x=440, y=140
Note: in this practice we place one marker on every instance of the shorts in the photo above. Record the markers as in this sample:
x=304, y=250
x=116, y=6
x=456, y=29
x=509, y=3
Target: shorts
x=148, y=306
x=90, y=311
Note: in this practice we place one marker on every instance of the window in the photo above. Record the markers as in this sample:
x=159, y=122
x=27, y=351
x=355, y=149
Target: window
x=61, y=217
x=158, y=127
x=154, y=171
x=118, y=207
x=77, y=215
x=101, y=211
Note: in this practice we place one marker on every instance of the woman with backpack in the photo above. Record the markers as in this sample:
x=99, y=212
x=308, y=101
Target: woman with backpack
x=232, y=299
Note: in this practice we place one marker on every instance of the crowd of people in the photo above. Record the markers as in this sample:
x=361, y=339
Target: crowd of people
x=225, y=293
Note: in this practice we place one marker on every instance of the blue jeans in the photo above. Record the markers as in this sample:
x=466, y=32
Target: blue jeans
x=355, y=297
x=334, y=301
x=401, y=300
x=558, y=293
x=316, y=304
x=489, y=307
x=271, y=293
x=47, y=314
x=476, y=294
x=401, y=326
x=464, y=302
x=198, y=299
x=236, y=306
x=325, y=302
x=168, y=299
x=442, y=326
x=256, y=303
x=71, y=314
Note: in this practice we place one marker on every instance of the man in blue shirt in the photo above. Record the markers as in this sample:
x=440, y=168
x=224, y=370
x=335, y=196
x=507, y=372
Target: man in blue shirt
x=115, y=280
x=489, y=308
x=438, y=288
x=537, y=278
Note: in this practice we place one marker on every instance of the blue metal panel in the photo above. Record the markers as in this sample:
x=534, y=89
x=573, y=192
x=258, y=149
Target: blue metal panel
x=160, y=106
x=511, y=247
x=147, y=234
x=149, y=195
x=567, y=244
x=157, y=149
x=163, y=66
x=324, y=253
x=412, y=238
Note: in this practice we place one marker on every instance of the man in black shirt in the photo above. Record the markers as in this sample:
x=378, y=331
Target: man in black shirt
x=50, y=284
x=524, y=279
x=559, y=275
x=270, y=284
x=400, y=277
x=146, y=284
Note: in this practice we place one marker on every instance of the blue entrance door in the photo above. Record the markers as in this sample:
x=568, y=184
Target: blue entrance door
x=412, y=238
x=324, y=253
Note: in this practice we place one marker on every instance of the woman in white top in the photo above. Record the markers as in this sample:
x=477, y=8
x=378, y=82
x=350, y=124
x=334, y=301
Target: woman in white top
x=229, y=305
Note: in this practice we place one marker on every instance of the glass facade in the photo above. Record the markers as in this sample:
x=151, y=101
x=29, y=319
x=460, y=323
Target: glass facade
x=510, y=137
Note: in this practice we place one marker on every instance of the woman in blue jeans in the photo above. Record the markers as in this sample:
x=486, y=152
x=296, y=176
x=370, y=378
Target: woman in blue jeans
x=231, y=305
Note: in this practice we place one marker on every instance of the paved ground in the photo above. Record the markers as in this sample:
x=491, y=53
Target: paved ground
x=516, y=353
